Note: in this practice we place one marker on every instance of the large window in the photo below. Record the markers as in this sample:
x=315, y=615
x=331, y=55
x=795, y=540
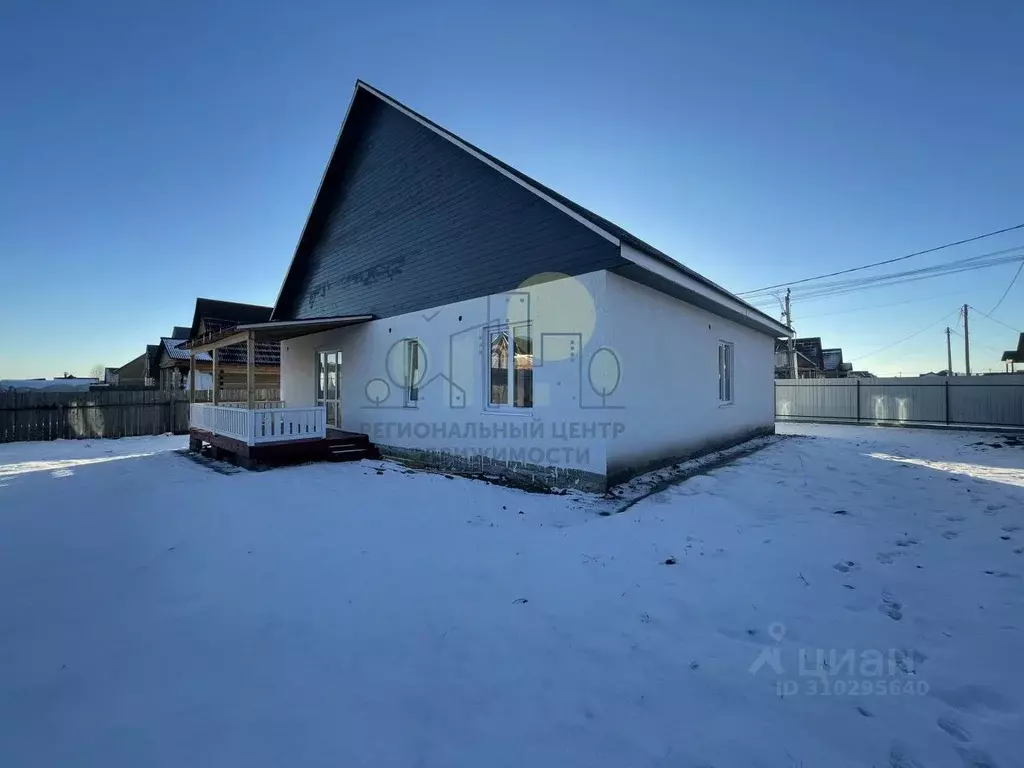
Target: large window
x=413, y=372
x=725, y=368
x=510, y=369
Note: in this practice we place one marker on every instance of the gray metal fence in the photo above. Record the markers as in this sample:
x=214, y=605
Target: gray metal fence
x=996, y=400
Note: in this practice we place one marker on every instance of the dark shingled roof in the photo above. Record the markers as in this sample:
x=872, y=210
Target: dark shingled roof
x=227, y=312
x=598, y=221
x=180, y=332
x=218, y=315
x=267, y=352
x=175, y=352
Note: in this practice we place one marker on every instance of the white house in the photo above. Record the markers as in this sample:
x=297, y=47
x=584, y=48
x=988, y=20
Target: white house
x=449, y=309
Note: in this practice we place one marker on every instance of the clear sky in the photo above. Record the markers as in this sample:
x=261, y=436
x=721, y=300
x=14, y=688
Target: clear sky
x=154, y=151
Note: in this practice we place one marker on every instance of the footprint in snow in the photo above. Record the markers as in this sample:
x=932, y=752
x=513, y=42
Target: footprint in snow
x=949, y=534
x=886, y=558
x=845, y=566
x=1003, y=574
x=908, y=661
x=891, y=607
x=975, y=699
x=955, y=518
x=975, y=757
x=906, y=542
x=899, y=757
x=954, y=729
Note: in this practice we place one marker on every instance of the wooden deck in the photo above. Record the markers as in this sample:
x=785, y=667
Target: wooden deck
x=339, y=445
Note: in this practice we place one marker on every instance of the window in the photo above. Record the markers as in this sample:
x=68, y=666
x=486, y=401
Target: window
x=413, y=372
x=724, y=372
x=510, y=368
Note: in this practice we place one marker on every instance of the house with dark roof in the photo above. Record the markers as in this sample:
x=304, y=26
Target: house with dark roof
x=212, y=317
x=810, y=358
x=457, y=312
x=142, y=371
x=1013, y=356
x=174, y=364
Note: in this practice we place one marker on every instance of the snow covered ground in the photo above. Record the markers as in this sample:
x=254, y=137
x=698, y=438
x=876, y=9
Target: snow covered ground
x=845, y=597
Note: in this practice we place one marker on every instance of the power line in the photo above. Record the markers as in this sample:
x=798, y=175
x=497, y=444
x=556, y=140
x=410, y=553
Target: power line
x=990, y=259
x=880, y=306
x=1017, y=330
x=887, y=261
x=1008, y=287
x=849, y=285
x=977, y=344
x=858, y=358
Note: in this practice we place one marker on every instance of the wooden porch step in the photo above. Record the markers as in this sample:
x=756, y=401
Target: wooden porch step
x=337, y=446
x=350, y=446
x=353, y=453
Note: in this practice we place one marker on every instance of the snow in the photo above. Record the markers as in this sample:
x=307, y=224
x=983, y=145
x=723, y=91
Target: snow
x=158, y=612
x=48, y=385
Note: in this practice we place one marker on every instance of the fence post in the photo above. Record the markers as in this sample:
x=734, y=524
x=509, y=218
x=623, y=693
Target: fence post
x=947, y=399
x=858, y=400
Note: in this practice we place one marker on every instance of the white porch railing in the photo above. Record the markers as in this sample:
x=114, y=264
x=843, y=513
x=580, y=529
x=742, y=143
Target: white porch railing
x=258, y=405
x=260, y=425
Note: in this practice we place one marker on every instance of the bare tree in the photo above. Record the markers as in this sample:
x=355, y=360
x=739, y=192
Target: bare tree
x=98, y=371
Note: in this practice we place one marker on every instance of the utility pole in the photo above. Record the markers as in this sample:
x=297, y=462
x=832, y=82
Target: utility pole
x=967, y=344
x=949, y=354
x=790, y=345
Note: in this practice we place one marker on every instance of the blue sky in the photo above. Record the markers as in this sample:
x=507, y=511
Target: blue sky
x=151, y=152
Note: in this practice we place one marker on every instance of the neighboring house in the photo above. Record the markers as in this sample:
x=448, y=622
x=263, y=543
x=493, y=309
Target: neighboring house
x=142, y=371
x=833, y=365
x=174, y=363
x=810, y=358
x=211, y=317
x=1013, y=356
x=461, y=314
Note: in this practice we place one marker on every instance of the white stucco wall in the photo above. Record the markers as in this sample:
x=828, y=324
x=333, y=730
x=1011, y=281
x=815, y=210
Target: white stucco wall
x=567, y=330
x=668, y=357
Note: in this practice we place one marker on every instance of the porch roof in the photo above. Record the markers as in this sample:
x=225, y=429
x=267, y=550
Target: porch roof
x=270, y=331
x=1015, y=355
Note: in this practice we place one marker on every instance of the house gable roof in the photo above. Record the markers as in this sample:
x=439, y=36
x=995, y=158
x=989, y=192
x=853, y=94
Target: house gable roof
x=173, y=350
x=627, y=242
x=226, y=312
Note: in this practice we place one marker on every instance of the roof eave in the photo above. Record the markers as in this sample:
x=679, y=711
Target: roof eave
x=728, y=305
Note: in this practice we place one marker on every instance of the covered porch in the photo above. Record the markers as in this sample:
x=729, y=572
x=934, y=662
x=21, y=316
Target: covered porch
x=267, y=431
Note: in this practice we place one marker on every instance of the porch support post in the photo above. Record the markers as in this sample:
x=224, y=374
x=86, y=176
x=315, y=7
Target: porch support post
x=216, y=377
x=250, y=372
x=191, y=377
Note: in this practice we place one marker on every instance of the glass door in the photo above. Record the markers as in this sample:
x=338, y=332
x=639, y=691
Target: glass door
x=328, y=385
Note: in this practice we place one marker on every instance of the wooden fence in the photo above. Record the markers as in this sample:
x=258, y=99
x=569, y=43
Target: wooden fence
x=102, y=413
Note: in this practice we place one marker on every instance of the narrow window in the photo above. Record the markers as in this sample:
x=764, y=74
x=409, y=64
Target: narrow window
x=498, y=379
x=510, y=369
x=725, y=368
x=413, y=372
